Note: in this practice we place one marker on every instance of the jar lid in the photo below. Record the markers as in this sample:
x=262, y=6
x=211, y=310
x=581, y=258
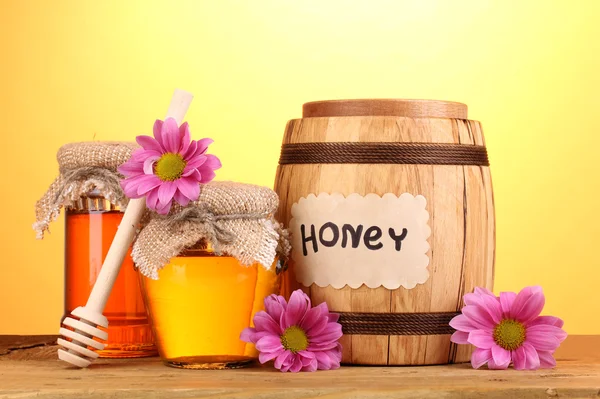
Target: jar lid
x=84, y=167
x=233, y=218
x=95, y=154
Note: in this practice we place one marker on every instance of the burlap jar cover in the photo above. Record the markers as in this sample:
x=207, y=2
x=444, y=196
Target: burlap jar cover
x=234, y=218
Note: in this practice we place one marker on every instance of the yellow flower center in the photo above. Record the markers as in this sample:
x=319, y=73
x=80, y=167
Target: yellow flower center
x=294, y=339
x=509, y=334
x=170, y=167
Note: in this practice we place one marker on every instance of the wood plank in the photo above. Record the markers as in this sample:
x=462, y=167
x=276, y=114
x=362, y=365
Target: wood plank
x=576, y=376
x=14, y=343
x=150, y=379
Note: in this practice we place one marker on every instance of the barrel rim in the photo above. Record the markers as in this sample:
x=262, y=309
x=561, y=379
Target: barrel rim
x=411, y=108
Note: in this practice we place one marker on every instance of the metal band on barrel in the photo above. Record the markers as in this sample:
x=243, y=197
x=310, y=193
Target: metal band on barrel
x=396, y=323
x=384, y=153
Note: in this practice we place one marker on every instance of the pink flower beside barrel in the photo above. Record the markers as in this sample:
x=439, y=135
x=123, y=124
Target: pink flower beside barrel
x=297, y=336
x=508, y=329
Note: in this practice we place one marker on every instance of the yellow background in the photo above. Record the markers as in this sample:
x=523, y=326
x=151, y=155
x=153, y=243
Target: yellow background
x=529, y=70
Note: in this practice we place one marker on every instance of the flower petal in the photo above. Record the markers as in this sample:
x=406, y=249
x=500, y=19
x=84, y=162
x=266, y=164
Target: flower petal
x=189, y=188
x=248, y=334
x=202, y=145
x=492, y=365
x=322, y=346
x=318, y=327
x=193, y=174
x=264, y=322
x=191, y=150
x=506, y=301
x=332, y=333
x=297, y=306
x=130, y=185
x=478, y=316
x=547, y=329
x=481, y=339
x=282, y=358
x=519, y=358
x=312, y=317
x=460, y=337
x=324, y=362
x=335, y=354
x=184, y=133
x=171, y=139
x=163, y=209
x=269, y=343
x=181, y=199
x=500, y=355
x=311, y=366
x=547, y=360
x=206, y=175
x=528, y=304
x=194, y=163
x=297, y=366
x=157, y=131
x=309, y=361
x=462, y=323
x=542, y=341
x=532, y=308
x=131, y=168
x=264, y=357
x=306, y=357
x=480, y=357
x=275, y=305
x=492, y=306
x=472, y=299
x=166, y=191
x=148, y=183
x=212, y=162
x=149, y=143
x=532, y=360
x=149, y=165
x=546, y=320
x=152, y=199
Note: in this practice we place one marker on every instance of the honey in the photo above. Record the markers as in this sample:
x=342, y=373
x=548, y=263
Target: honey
x=199, y=306
x=89, y=231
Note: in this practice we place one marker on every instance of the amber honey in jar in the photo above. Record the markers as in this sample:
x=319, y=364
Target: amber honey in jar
x=201, y=303
x=91, y=223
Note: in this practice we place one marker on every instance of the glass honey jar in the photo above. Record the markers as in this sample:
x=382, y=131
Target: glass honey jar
x=87, y=187
x=90, y=225
x=205, y=271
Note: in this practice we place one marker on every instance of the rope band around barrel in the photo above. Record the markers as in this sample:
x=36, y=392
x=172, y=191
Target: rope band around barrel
x=384, y=153
x=396, y=323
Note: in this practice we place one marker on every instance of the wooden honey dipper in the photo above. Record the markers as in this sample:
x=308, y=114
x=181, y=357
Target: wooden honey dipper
x=77, y=347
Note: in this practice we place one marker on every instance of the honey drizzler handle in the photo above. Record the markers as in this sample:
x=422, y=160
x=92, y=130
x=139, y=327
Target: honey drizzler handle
x=78, y=343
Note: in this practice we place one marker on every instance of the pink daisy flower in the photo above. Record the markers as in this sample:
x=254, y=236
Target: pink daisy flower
x=508, y=329
x=168, y=166
x=296, y=336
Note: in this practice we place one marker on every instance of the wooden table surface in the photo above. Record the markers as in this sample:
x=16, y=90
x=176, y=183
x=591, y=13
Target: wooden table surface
x=28, y=369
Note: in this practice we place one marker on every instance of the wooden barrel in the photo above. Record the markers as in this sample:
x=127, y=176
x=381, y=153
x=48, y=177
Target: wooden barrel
x=393, y=163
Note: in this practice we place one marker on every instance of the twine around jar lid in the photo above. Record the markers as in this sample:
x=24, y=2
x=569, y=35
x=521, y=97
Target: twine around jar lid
x=234, y=218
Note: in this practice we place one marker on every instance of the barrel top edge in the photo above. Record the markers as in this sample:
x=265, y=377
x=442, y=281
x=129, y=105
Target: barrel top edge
x=298, y=120
x=414, y=108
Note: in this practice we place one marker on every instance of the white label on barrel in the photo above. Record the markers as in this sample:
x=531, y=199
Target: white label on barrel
x=356, y=240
